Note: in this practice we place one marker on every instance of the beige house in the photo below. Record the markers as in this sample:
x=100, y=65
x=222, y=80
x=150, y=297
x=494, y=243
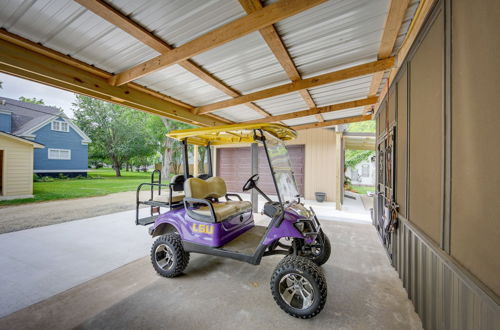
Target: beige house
x=16, y=166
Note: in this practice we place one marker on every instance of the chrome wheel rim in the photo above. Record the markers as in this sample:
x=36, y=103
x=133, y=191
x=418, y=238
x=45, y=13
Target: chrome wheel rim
x=296, y=291
x=164, y=257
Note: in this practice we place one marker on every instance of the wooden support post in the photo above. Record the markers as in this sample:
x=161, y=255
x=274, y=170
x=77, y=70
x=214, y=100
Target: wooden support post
x=338, y=170
x=196, y=158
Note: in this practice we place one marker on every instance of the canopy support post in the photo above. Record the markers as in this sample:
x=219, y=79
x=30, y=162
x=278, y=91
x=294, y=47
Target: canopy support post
x=186, y=158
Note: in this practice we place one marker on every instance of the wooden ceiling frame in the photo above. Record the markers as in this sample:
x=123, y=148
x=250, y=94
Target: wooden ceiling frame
x=423, y=10
x=327, y=78
x=317, y=110
x=125, y=23
x=275, y=43
x=26, y=59
x=233, y=30
x=334, y=122
x=393, y=22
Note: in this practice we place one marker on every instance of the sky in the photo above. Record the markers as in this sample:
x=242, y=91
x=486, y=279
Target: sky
x=13, y=87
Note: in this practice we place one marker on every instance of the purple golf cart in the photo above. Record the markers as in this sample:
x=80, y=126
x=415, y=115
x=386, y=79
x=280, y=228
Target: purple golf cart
x=203, y=217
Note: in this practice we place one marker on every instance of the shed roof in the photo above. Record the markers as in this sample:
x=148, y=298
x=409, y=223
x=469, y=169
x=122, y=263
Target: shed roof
x=314, y=38
x=20, y=139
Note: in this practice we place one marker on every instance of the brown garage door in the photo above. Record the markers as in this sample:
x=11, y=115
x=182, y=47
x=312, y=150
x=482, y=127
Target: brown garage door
x=234, y=166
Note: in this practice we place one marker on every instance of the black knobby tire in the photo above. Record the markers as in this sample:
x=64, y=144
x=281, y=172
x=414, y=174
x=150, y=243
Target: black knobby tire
x=324, y=253
x=293, y=265
x=179, y=258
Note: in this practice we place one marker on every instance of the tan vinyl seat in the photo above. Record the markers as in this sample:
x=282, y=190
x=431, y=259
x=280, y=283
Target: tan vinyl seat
x=165, y=197
x=214, y=187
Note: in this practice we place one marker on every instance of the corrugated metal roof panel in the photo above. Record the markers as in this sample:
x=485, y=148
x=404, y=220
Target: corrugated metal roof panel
x=179, y=22
x=343, y=113
x=283, y=104
x=238, y=113
x=334, y=34
x=183, y=85
x=247, y=64
x=300, y=121
x=343, y=91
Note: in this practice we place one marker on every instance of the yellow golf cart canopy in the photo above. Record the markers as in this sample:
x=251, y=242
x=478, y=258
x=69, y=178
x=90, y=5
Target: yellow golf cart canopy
x=231, y=134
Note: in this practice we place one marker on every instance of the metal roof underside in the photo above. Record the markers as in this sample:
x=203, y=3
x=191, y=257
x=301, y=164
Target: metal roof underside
x=331, y=36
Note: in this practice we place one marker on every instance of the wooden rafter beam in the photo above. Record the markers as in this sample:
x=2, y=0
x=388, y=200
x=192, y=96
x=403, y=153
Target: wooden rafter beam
x=423, y=10
x=25, y=59
x=393, y=22
x=317, y=110
x=118, y=19
x=273, y=40
x=236, y=29
x=327, y=123
x=348, y=73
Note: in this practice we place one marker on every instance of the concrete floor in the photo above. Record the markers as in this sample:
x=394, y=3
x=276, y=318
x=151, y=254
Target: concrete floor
x=364, y=292
x=38, y=263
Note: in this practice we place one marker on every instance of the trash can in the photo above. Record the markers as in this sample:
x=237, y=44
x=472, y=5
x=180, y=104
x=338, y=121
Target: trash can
x=320, y=196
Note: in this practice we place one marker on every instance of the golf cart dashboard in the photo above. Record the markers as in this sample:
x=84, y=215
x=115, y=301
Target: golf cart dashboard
x=272, y=208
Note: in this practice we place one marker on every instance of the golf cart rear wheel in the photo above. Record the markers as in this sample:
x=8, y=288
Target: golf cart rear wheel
x=321, y=255
x=299, y=287
x=168, y=256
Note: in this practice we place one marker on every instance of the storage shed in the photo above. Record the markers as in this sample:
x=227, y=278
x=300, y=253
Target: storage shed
x=16, y=166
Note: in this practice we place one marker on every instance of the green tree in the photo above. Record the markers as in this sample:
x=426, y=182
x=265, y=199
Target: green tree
x=117, y=132
x=354, y=157
x=33, y=100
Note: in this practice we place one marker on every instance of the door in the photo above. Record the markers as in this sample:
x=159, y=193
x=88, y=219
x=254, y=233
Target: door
x=234, y=166
x=385, y=187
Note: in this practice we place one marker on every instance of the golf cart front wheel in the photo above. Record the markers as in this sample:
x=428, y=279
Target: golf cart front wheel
x=168, y=256
x=321, y=255
x=299, y=287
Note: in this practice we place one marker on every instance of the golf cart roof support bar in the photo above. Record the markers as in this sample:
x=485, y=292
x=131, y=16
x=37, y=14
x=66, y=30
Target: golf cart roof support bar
x=186, y=158
x=263, y=139
x=209, y=156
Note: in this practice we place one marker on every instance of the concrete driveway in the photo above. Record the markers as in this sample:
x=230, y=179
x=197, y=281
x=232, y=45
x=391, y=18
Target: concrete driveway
x=364, y=291
x=38, y=263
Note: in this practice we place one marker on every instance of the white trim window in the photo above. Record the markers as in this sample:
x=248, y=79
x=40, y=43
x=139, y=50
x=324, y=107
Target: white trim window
x=60, y=154
x=60, y=126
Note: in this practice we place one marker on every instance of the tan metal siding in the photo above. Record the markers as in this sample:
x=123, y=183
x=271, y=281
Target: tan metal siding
x=391, y=107
x=475, y=201
x=320, y=165
x=426, y=132
x=18, y=167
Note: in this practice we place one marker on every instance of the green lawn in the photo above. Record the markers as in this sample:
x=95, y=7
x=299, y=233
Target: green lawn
x=362, y=189
x=102, y=182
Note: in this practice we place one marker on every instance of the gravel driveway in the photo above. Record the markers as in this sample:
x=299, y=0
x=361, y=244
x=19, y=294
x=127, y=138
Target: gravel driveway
x=19, y=217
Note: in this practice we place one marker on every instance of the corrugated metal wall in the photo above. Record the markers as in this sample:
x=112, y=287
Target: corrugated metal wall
x=443, y=295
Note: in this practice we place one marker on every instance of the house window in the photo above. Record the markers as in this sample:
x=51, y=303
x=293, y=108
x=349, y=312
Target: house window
x=60, y=126
x=365, y=170
x=64, y=154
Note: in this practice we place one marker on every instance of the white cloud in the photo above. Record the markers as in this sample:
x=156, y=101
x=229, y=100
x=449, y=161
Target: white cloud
x=13, y=87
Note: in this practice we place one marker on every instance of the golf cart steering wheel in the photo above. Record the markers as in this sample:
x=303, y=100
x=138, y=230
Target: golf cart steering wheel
x=251, y=183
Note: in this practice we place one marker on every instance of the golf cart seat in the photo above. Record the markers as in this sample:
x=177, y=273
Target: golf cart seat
x=207, y=192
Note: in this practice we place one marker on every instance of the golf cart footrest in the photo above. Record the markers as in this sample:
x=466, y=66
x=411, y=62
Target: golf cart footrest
x=155, y=203
x=147, y=221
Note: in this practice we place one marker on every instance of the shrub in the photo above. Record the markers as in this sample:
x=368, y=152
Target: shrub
x=36, y=178
x=47, y=179
x=62, y=176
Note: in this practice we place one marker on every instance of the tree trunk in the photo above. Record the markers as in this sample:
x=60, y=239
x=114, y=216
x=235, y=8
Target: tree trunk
x=166, y=159
x=117, y=167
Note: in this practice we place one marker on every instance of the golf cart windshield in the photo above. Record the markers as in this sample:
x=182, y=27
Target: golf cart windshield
x=282, y=168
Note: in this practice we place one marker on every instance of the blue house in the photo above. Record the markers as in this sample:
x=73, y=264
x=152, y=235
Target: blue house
x=66, y=146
